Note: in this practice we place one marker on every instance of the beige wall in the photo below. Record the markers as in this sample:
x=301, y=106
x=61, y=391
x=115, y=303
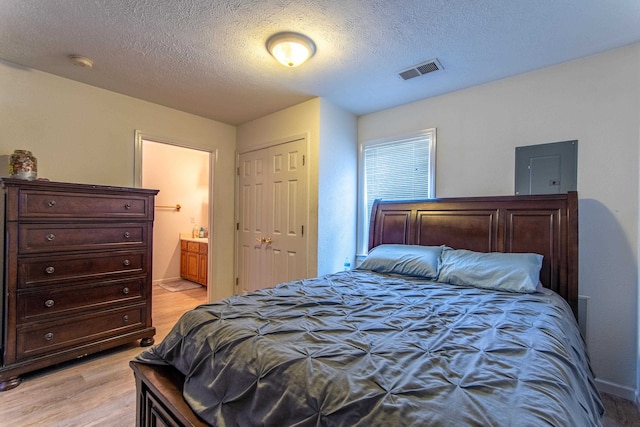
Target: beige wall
x=595, y=100
x=286, y=125
x=83, y=134
x=337, y=188
x=331, y=139
x=182, y=176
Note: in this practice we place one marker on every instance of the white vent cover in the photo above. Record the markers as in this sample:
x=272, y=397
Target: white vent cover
x=421, y=69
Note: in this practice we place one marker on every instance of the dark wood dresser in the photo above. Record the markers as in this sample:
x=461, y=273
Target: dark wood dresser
x=76, y=272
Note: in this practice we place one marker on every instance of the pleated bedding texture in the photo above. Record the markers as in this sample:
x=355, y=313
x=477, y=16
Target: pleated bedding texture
x=359, y=348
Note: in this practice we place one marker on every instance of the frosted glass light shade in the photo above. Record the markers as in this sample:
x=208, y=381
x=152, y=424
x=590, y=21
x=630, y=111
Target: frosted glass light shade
x=291, y=49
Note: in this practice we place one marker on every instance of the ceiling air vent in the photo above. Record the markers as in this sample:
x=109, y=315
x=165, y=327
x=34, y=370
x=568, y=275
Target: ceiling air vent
x=420, y=69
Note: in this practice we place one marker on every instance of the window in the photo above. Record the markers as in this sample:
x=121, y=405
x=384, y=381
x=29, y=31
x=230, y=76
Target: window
x=394, y=168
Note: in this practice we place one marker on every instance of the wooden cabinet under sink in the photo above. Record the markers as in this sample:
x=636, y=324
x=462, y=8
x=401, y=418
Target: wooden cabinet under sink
x=194, y=261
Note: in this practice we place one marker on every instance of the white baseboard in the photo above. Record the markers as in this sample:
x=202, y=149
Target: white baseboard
x=617, y=390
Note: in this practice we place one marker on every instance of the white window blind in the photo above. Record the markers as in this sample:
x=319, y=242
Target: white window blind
x=398, y=168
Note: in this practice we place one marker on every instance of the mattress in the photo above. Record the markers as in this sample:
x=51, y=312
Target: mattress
x=359, y=348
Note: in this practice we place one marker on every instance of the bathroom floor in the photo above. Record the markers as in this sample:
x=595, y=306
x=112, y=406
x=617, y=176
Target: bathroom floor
x=179, y=285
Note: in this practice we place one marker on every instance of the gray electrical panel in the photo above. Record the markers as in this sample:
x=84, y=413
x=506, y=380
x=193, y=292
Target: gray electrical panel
x=547, y=168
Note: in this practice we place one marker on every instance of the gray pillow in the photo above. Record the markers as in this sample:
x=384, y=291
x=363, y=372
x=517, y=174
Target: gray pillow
x=408, y=260
x=513, y=272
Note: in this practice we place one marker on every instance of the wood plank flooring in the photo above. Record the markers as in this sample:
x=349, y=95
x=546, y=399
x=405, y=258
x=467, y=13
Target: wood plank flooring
x=619, y=412
x=99, y=390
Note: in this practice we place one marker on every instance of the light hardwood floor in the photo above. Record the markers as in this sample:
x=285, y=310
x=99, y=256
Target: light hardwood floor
x=619, y=412
x=99, y=390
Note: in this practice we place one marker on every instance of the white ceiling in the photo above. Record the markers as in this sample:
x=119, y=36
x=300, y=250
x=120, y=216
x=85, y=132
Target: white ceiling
x=208, y=57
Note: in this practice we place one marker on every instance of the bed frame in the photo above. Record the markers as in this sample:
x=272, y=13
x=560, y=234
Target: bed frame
x=544, y=224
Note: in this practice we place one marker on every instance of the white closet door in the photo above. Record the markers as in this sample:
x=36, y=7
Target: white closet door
x=252, y=220
x=273, y=209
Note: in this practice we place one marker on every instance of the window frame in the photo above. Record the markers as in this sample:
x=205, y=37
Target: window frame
x=363, y=215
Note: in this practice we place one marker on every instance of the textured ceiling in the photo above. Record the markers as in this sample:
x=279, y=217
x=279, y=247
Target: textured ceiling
x=208, y=57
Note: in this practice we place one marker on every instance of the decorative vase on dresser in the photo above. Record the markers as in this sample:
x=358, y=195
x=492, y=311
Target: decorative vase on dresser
x=76, y=272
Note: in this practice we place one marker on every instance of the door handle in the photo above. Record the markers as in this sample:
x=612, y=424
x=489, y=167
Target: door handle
x=268, y=240
x=261, y=240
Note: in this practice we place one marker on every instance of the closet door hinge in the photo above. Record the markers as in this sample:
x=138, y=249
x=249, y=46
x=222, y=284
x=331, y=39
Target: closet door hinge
x=302, y=230
x=237, y=226
x=303, y=159
x=238, y=171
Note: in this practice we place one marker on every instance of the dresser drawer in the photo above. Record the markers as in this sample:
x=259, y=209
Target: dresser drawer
x=56, y=301
x=36, y=271
x=52, y=204
x=38, y=339
x=38, y=238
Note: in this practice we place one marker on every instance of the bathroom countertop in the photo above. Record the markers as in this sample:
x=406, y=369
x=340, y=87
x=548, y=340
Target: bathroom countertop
x=188, y=238
x=196, y=239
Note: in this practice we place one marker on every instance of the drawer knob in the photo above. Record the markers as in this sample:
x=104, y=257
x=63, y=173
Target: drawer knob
x=126, y=262
x=51, y=203
x=127, y=234
x=127, y=206
x=49, y=303
x=125, y=290
x=125, y=318
x=51, y=237
x=48, y=336
x=50, y=270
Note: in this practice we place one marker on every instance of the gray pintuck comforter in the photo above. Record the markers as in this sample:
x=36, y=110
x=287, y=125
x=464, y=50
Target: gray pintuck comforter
x=366, y=349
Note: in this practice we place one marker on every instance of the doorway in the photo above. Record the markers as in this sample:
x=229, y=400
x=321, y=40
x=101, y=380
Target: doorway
x=182, y=207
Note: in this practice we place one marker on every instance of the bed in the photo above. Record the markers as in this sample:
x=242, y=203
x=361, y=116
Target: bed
x=464, y=313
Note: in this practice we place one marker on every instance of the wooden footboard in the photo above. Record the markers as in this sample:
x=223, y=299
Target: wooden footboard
x=159, y=400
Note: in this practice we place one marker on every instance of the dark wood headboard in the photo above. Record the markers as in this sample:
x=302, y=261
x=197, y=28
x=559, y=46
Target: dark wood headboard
x=542, y=224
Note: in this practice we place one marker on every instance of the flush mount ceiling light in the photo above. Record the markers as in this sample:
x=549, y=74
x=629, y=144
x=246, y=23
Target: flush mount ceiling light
x=291, y=49
x=81, y=61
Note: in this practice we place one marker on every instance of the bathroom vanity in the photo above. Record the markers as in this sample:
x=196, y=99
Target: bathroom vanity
x=194, y=259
